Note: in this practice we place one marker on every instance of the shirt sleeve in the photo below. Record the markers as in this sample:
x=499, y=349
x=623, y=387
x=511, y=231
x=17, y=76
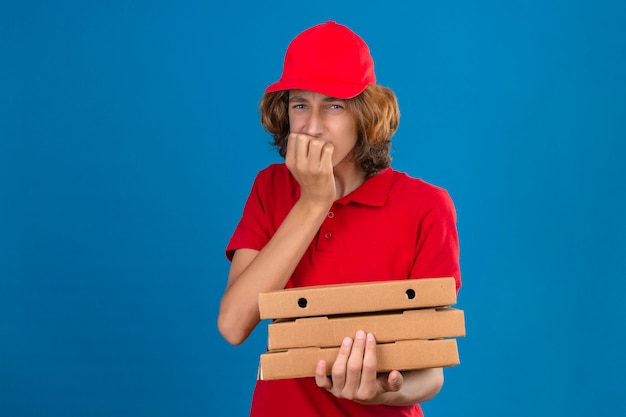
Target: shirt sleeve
x=252, y=230
x=437, y=251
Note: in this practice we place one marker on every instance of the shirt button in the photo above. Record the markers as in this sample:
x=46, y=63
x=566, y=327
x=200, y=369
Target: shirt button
x=331, y=214
x=328, y=235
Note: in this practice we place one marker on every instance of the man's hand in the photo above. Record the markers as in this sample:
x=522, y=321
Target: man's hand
x=354, y=374
x=309, y=160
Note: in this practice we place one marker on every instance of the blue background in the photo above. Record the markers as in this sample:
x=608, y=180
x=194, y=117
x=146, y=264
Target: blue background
x=129, y=139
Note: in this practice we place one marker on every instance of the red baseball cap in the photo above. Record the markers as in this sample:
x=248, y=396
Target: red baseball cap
x=329, y=59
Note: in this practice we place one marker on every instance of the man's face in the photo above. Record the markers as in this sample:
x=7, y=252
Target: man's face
x=324, y=118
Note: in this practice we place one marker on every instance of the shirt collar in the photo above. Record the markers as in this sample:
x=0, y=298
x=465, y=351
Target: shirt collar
x=373, y=192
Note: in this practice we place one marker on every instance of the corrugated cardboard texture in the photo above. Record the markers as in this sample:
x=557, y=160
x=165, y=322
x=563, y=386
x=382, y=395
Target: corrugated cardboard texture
x=329, y=300
x=428, y=323
x=404, y=355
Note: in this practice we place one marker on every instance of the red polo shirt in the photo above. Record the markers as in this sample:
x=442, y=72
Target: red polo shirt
x=392, y=227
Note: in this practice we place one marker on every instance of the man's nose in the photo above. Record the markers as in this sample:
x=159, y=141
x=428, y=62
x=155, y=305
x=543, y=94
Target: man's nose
x=314, y=125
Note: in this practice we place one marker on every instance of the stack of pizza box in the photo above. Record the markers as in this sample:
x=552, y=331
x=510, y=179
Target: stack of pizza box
x=413, y=321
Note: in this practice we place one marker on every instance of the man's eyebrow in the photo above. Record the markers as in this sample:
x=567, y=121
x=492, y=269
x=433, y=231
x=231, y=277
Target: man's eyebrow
x=301, y=99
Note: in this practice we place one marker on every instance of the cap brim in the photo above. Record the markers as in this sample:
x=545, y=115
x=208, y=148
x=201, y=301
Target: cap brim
x=337, y=90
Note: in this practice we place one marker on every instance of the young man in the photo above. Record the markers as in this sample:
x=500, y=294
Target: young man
x=335, y=212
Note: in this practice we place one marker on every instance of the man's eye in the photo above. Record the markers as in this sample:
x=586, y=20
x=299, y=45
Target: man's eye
x=298, y=106
x=336, y=106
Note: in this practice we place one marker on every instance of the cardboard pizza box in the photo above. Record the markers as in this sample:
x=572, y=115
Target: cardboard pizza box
x=430, y=323
x=326, y=300
x=403, y=355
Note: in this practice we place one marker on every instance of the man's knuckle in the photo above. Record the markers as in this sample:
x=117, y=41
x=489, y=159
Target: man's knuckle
x=369, y=367
x=336, y=374
x=352, y=368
